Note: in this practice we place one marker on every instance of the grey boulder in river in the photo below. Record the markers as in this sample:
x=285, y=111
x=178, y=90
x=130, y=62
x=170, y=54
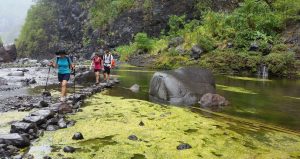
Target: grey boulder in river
x=184, y=86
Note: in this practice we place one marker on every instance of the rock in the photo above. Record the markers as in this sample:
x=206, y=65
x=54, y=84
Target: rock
x=77, y=136
x=47, y=157
x=43, y=104
x=46, y=94
x=230, y=45
x=183, y=146
x=65, y=108
x=38, y=120
x=210, y=100
x=62, y=123
x=133, y=137
x=141, y=123
x=44, y=112
x=52, y=121
x=135, y=88
x=196, y=52
x=71, y=123
x=15, y=140
x=180, y=49
x=8, y=53
x=176, y=41
x=3, y=81
x=254, y=47
x=23, y=127
x=23, y=70
x=69, y=149
x=85, y=76
x=16, y=73
x=44, y=63
x=184, y=86
x=52, y=128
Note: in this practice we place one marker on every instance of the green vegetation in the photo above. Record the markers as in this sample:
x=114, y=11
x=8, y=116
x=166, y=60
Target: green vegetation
x=1, y=42
x=106, y=122
x=254, y=22
x=39, y=31
x=105, y=11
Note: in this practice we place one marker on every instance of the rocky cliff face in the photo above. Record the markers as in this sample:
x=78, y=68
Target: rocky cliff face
x=72, y=25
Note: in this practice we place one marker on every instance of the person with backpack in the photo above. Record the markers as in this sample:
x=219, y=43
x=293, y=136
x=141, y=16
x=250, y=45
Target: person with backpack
x=65, y=67
x=97, y=64
x=107, y=62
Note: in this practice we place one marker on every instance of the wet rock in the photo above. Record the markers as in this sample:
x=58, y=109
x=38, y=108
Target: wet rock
x=23, y=70
x=52, y=121
x=3, y=81
x=52, y=128
x=23, y=127
x=196, y=52
x=16, y=73
x=47, y=157
x=71, y=123
x=141, y=123
x=43, y=104
x=69, y=149
x=62, y=123
x=172, y=86
x=44, y=63
x=65, y=108
x=116, y=80
x=46, y=94
x=15, y=140
x=77, y=136
x=254, y=47
x=183, y=146
x=12, y=149
x=47, y=113
x=133, y=137
x=210, y=100
x=174, y=42
x=135, y=88
x=38, y=120
x=230, y=45
x=18, y=157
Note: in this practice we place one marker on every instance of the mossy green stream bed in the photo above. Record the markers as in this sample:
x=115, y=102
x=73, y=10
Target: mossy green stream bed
x=106, y=122
x=260, y=122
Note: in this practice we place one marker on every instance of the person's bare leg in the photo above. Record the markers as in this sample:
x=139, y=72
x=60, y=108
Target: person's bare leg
x=97, y=74
x=104, y=74
x=64, y=89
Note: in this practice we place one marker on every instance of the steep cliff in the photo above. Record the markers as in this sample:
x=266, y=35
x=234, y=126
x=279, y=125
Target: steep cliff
x=85, y=26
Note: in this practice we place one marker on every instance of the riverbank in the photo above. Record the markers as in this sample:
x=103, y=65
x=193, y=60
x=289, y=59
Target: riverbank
x=114, y=127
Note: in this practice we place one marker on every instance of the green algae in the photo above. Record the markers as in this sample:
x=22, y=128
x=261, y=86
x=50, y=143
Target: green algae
x=298, y=98
x=9, y=117
x=249, y=79
x=235, y=89
x=106, y=134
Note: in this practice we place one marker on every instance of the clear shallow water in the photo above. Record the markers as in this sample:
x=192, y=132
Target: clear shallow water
x=275, y=102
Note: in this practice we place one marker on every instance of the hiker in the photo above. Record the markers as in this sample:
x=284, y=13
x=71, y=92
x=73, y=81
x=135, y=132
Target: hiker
x=107, y=62
x=97, y=65
x=65, y=67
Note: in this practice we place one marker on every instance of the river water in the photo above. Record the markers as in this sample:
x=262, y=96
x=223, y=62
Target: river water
x=274, y=102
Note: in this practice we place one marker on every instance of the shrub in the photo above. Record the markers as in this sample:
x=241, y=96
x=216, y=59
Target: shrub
x=143, y=42
x=167, y=62
x=281, y=64
x=176, y=24
x=125, y=51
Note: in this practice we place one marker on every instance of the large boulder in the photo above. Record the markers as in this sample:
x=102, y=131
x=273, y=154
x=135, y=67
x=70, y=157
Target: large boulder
x=184, y=86
x=15, y=140
x=85, y=77
x=23, y=127
x=8, y=53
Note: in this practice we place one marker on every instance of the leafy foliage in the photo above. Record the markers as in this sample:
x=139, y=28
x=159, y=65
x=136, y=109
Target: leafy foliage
x=105, y=11
x=1, y=42
x=37, y=32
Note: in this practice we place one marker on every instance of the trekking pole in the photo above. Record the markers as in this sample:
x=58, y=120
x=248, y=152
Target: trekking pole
x=46, y=93
x=74, y=87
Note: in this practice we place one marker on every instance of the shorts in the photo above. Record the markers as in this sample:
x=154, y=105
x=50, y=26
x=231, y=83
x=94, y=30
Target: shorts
x=62, y=77
x=97, y=70
x=106, y=69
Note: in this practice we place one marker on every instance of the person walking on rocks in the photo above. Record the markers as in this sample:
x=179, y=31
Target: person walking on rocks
x=107, y=60
x=97, y=64
x=65, y=67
